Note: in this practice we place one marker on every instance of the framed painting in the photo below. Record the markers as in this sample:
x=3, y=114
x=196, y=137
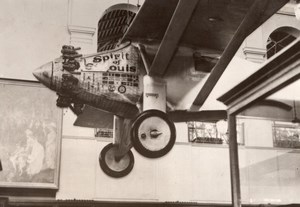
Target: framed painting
x=30, y=135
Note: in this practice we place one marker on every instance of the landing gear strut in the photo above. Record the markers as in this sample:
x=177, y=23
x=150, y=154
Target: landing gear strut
x=153, y=134
x=116, y=160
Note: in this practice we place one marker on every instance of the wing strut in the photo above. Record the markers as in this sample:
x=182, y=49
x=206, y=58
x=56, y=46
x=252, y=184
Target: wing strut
x=252, y=20
x=168, y=46
x=144, y=57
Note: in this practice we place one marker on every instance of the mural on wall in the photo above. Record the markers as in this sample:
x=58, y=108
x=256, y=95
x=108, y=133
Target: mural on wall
x=30, y=133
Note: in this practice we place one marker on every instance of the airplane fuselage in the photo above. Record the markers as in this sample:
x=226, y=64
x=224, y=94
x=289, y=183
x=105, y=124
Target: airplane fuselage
x=111, y=82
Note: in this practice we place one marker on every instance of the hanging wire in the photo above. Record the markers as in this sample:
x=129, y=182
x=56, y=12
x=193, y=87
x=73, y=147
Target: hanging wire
x=127, y=13
x=296, y=119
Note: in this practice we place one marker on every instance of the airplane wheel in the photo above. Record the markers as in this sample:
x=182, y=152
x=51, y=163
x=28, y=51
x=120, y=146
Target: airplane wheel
x=111, y=165
x=153, y=134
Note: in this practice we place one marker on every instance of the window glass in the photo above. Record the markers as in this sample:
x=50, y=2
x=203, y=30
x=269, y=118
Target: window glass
x=277, y=41
x=286, y=135
x=211, y=133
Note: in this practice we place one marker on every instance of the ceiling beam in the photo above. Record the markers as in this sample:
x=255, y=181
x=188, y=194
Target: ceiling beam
x=169, y=43
x=255, y=16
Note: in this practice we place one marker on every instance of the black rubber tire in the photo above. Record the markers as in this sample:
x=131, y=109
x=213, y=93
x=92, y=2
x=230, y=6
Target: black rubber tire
x=139, y=147
x=108, y=170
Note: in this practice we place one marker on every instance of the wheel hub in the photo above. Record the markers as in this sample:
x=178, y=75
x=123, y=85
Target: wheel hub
x=155, y=133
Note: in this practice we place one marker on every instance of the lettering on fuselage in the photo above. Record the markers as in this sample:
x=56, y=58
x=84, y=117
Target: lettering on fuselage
x=111, y=56
x=125, y=60
x=113, y=73
x=155, y=95
x=127, y=68
x=114, y=85
x=116, y=62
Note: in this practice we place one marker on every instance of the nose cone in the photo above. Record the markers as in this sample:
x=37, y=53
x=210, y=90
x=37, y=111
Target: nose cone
x=44, y=74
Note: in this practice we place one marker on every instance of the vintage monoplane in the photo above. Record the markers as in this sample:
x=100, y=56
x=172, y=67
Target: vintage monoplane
x=155, y=65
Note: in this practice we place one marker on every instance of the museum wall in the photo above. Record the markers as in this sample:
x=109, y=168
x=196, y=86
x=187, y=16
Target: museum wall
x=188, y=173
x=192, y=172
x=32, y=33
